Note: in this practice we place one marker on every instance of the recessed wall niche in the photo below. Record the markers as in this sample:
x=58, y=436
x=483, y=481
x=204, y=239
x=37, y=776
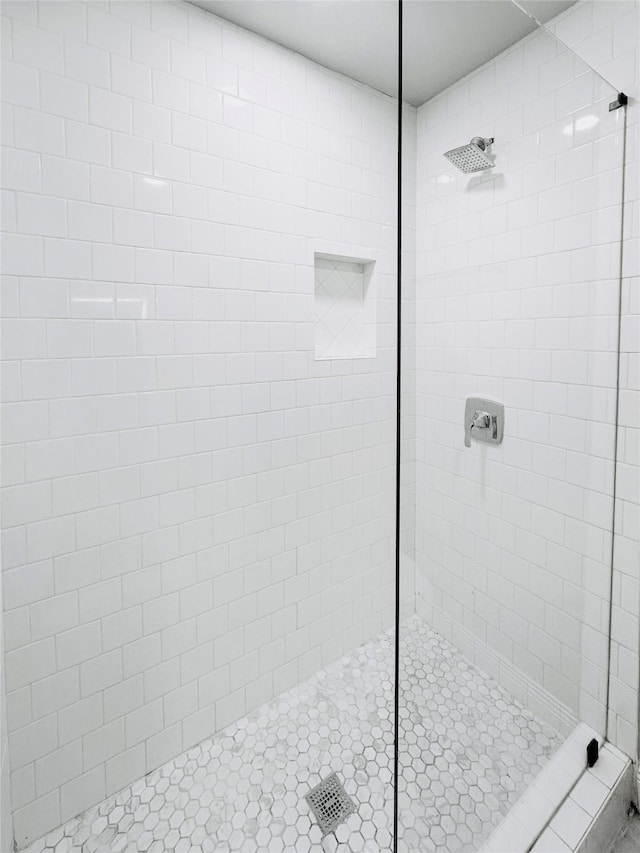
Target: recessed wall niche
x=345, y=307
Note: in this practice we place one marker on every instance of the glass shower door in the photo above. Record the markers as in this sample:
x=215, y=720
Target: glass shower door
x=516, y=296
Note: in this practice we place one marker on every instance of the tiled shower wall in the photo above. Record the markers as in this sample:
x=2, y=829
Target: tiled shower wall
x=198, y=514
x=516, y=284
x=606, y=35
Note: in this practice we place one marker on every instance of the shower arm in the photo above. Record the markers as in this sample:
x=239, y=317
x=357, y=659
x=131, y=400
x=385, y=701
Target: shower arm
x=482, y=142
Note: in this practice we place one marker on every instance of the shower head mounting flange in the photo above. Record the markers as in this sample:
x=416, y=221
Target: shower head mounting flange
x=482, y=142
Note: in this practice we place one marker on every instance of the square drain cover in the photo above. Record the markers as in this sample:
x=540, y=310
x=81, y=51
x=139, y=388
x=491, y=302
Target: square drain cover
x=330, y=803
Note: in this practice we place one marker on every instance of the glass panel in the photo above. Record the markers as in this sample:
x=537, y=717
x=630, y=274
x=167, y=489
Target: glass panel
x=505, y=648
x=200, y=506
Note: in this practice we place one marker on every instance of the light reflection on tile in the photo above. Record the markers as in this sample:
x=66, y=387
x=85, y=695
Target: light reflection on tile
x=467, y=752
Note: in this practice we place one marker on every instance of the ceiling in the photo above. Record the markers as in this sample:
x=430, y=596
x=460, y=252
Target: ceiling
x=443, y=39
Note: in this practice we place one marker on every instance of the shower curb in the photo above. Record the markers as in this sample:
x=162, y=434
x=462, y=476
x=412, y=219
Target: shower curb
x=569, y=809
x=610, y=821
x=593, y=816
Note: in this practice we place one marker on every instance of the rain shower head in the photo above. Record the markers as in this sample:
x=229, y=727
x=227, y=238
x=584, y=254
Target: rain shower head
x=472, y=157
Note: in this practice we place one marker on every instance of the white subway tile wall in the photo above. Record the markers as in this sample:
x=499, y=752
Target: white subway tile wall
x=517, y=293
x=198, y=513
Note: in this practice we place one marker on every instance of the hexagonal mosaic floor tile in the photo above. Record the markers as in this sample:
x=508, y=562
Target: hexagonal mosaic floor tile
x=467, y=753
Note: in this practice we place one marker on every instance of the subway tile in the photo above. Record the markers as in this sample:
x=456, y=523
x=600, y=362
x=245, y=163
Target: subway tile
x=110, y=111
x=69, y=259
x=50, y=538
x=56, y=614
x=78, y=644
x=150, y=48
x=30, y=663
x=132, y=228
x=151, y=122
x=143, y=722
x=99, y=673
x=121, y=628
x=57, y=768
x=108, y=32
x=81, y=792
x=111, y=186
x=125, y=768
x=41, y=215
x=28, y=584
x=101, y=745
x=89, y=222
x=65, y=178
x=56, y=692
x=63, y=97
x=131, y=153
x=20, y=84
x=77, y=569
x=86, y=64
x=152, y=194
x=37, y=48
x=93, y=375
x=21, y=170
x=22, y=504
x=37, y=817
x=100, y=600
x=112, y=263
x=22, y=255
x=132, y=79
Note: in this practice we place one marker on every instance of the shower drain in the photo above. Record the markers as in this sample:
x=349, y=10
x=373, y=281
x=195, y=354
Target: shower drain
x=330, y=803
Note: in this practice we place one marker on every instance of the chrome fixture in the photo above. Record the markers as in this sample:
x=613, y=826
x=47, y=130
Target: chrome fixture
x=472, y=157
x=330, y=803
x=485, y=418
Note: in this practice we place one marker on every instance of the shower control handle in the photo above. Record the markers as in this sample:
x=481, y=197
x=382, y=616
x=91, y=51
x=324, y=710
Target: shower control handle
x=485, y=418
x=481, y=420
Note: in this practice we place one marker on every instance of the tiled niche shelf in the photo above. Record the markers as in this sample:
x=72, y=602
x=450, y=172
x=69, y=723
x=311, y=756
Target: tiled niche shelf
x=345, y=307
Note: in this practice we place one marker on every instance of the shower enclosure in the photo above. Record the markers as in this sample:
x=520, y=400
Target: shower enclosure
x=258, y=591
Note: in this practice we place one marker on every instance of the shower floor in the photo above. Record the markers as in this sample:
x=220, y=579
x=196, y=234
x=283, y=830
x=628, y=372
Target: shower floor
x=467, y=752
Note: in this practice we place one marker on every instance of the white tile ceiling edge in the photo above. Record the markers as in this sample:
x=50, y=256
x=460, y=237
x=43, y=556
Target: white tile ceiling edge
x=443, y=39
